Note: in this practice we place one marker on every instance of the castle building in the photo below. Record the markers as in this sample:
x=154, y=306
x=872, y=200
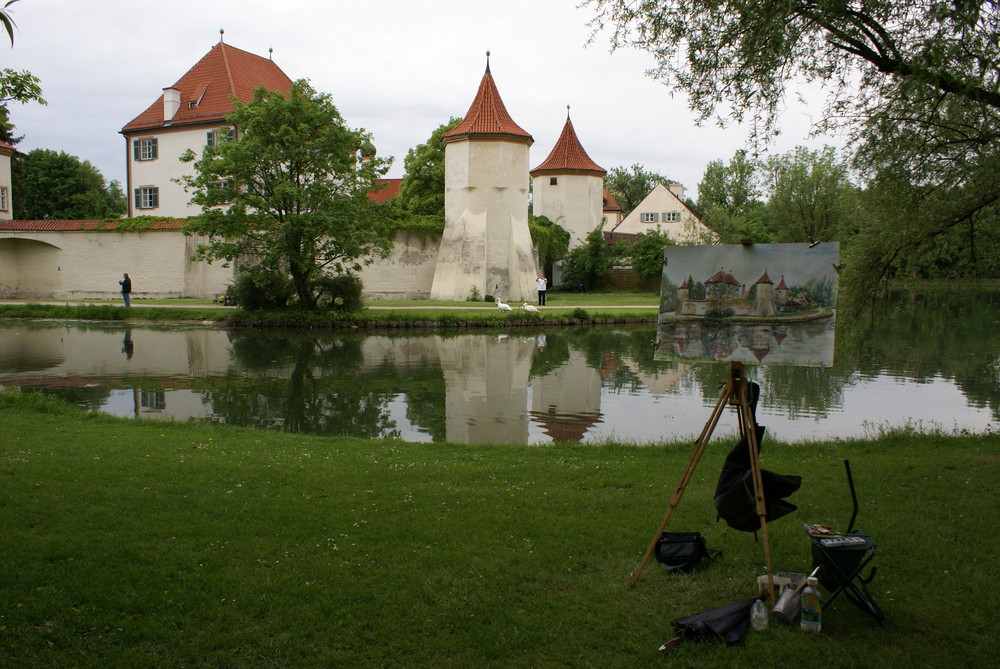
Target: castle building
x=568, y=187
x=190, y=114
x=486, y=246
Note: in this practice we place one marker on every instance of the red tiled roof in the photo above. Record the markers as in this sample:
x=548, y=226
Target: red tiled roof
x=765, y=279
x=6, y=149
x=487, y=116
x=610, y=203
x=52, y=225
x=386, y=190
x=568, y=157
x=223, y=72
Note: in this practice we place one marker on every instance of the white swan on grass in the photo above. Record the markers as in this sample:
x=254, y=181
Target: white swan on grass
x=530, y=307
x=502, y=306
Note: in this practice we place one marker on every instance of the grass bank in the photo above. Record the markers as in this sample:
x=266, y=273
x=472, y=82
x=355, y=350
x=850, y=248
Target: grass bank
x=157, y=544
x=562, y=309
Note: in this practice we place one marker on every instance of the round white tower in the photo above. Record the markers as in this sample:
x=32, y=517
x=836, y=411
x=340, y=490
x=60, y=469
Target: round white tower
x=568, y=187
x=486, y=246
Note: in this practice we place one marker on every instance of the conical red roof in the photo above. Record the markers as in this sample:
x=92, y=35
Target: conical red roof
x=568, y=157
x=206, y=88
x=487, y=117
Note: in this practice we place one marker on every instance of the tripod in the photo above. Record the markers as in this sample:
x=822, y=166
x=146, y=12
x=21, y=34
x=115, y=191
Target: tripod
x=736, y=392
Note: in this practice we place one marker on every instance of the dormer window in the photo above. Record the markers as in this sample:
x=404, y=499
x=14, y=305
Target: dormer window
x=192, y=104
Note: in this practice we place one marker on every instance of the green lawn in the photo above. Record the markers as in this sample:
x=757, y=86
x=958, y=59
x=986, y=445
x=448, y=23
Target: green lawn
x=141, y=544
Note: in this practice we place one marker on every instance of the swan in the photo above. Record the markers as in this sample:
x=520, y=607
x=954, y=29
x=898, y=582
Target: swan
x=530, y=307
x=502, y=306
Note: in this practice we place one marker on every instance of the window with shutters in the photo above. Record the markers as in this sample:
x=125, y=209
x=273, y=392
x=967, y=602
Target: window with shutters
x=144, y=148
x=147, y=197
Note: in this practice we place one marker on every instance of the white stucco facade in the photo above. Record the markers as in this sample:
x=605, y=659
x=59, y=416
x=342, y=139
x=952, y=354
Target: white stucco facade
x=663, y=209
x=486, y=244
x=163, y=171
x=574, y=202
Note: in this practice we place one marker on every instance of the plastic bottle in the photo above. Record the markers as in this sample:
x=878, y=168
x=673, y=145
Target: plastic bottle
x=812, y=607
x=758, y=615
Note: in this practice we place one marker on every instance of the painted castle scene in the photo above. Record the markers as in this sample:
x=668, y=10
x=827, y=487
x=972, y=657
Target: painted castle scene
x=758, y=303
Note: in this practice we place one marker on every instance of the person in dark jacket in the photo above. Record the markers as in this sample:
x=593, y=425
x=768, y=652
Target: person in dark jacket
x=126, y=284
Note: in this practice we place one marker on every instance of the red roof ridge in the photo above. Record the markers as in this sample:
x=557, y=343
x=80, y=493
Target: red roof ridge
x=488, y=117
x=229, y=72
x=568, y=156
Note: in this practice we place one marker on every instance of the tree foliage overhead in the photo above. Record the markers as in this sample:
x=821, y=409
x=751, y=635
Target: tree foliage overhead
x=914, y=85
x=56, y=185
x=630, y=185
x=290, y=193
x=422, y=190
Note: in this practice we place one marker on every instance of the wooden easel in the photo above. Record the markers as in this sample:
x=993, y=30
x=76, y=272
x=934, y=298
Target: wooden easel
x=735, y=392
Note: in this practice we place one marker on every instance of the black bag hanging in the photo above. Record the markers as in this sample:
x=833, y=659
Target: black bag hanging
x=682, y=551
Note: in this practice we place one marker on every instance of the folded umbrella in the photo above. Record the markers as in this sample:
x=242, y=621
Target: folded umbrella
x=728, y=623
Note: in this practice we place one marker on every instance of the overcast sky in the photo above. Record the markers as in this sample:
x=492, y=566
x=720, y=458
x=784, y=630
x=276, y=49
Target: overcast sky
x=398, y=68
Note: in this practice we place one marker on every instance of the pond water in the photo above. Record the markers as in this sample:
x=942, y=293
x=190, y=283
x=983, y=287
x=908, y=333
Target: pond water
x=931, y=361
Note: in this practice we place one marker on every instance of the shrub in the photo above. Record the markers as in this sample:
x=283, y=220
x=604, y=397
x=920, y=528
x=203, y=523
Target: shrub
x=260, y=289
x=339, y=293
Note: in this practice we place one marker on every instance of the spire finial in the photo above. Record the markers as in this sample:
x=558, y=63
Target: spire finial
x=567, y=112
x=487, y=61
x=270, y=53
x=222, y=32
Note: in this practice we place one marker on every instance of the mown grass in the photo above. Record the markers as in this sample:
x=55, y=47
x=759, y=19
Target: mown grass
x=563, y=309
x=157, y=544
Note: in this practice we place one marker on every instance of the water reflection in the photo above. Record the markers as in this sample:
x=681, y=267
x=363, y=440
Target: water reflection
x=932, y=361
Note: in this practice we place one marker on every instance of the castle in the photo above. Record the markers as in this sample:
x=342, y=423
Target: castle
x=485, y=247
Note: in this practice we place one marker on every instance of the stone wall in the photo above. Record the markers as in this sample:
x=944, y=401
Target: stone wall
x=77, y=265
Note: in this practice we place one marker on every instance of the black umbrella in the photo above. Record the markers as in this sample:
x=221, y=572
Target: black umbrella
x=728, y=623
x=734, y=495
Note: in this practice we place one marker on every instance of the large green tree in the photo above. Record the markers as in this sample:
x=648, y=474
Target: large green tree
x=289, y=193
x=914, y=86
x=422, y=190
x=50, y=184
x=630, y=185
x=811, y=196
x=729, y=200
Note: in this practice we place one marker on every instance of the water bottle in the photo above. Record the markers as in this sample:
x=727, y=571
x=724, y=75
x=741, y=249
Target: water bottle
x=758, y=615
x=812, y=607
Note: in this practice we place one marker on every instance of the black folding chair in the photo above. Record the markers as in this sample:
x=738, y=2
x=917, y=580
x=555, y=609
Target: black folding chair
x=841, y=559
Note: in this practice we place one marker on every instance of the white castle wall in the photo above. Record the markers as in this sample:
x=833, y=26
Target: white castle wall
x=407, y=274
x=87, y=265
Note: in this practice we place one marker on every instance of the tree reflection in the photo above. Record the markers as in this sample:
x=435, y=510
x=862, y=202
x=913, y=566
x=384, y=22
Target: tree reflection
x=306, y=384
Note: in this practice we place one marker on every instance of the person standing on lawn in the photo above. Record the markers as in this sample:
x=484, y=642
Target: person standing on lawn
x=126, y=284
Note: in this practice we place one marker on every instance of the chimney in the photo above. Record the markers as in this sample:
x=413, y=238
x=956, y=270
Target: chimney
x=171, y=102
x=675, y=188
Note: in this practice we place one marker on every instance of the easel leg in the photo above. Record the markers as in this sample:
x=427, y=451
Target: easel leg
x=749, y=426
x=675, y=499
x=737, y=391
